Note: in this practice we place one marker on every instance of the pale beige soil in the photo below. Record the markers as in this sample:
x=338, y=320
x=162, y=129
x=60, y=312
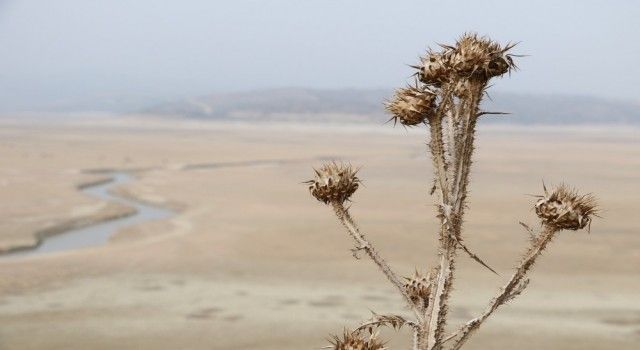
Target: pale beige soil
x=250, y=261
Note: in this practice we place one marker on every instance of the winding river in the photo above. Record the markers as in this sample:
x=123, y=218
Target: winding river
x=98, y=234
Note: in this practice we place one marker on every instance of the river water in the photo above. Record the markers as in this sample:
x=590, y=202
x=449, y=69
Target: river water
x=99, y=233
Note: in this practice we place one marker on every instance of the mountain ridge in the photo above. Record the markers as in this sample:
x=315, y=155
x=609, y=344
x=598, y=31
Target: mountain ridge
x=366, y=105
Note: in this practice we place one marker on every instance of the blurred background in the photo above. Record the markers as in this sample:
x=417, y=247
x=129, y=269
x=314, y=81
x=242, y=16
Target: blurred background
x=153, y=154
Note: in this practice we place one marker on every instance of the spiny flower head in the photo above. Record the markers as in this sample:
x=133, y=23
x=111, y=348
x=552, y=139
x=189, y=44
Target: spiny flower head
x=565, y=209
x=354, y=341
x=472, y=57
x=480, y=57
x=334, y=182
x=419, y=287
x=412, y=105
x=434, y=68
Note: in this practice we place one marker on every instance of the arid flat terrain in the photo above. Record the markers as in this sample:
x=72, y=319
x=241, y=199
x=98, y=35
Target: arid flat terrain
x=251, y=261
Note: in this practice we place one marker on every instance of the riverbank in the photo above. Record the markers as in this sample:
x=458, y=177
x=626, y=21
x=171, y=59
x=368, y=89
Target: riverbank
x=97, y=233
x=252, y=262
x=79, y=218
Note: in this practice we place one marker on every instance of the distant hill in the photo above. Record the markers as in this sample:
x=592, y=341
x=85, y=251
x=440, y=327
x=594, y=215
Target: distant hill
x=282, y=104
x=354, y=105
x=562, y=109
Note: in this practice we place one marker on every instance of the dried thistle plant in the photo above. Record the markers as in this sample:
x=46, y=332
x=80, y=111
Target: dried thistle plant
x=446, y=96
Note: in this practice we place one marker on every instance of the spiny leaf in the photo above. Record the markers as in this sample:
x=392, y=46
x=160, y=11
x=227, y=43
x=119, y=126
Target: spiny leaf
x=376, y=321
x=529, y=230
x=473, y=256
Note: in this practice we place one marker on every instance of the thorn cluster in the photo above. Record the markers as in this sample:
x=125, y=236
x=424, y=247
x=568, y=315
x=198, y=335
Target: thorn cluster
x=565, y=209
x=334, y=182
x=412, y=105
x=353, y=341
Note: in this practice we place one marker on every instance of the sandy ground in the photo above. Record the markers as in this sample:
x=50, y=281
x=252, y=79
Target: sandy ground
x=250, y=261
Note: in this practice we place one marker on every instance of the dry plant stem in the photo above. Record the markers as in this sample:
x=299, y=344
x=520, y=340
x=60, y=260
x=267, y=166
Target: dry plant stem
x=436, y=144
x=362, y=244
x=511, y=289
x=465, y=150
x=452, y=204
x=436, y=312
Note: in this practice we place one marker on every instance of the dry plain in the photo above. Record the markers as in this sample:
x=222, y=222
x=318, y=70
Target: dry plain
x=250, y=261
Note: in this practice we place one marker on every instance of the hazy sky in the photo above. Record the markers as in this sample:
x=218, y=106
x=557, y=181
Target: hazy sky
x=54, y=50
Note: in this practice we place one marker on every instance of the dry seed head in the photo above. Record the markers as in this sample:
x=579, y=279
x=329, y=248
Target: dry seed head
x=565, y=209
x=419, y=287
x=334, y=182
x=472, y=57
x=480, y=57
x=434, y=68
x=412, y=105
x=353, y=341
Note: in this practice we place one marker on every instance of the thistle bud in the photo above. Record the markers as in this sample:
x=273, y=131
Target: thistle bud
x=412, y=105
x=351, y=341
x=334, y=182
x=419, y=287
x=565, y=209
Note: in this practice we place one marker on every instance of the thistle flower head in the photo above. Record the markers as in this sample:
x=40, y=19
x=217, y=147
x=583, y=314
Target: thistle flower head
x=472, y=57
x=354, y=341
x=334, y=182
x=434, y=68
x=412, y=105
x=480, y=57
x=565, y=209
x=419, y=287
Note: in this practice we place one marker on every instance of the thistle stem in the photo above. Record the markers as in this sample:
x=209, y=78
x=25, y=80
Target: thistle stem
x=452, y=207
x=464, y=151
x=363, y=244
x=437, y=152
x=462, y=125
x=438, y=304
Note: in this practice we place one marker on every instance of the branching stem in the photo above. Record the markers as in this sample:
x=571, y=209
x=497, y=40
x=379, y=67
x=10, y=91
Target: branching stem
x=362, y=243
x=451, y=209
x=449, y=88
x=511, y=289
